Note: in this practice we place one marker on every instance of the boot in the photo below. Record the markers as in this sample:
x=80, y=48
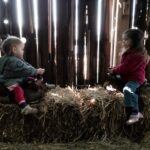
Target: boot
x=28, y=110
x=132, y=119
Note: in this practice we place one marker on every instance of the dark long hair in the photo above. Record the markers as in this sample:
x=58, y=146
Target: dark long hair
x=137, y=39
x=137, y=42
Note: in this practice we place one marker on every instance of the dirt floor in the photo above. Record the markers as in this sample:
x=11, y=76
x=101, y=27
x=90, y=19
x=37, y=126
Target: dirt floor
x=115, y=144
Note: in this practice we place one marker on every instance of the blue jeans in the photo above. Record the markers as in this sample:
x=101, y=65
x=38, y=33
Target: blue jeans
x=130, y=95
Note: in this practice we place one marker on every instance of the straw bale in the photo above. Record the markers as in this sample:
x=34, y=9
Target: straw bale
x=67, y=115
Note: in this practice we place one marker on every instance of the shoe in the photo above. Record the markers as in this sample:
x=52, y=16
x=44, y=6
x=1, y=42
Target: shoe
x=28, y=110
x=140, y=115
x=132, y=119
x=50, y=86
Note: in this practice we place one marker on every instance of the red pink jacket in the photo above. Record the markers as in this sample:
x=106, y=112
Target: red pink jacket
x=132, y=67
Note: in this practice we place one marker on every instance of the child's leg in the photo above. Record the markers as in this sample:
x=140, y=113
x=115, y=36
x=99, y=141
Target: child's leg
x=131, y=100
x=20, y=99
x=140, y=100
x=141, y=104
x=19, y=96
x=131, y=97
x=128, y=111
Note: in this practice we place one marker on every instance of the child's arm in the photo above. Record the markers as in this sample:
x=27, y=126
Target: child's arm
x=17, y=68
x=40, y=71
x=130, y=65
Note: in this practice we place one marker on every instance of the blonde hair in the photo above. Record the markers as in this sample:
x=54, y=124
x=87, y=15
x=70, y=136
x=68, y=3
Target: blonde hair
x=9, y=43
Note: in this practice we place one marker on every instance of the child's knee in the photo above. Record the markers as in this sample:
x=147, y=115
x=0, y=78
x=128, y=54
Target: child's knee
x=127, y=90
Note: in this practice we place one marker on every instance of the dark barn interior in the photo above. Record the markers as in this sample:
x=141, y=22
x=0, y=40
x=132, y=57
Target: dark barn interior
x=59, y=60
x=76, y=41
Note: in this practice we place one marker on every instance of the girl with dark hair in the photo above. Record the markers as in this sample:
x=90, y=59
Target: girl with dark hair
x=132, y=71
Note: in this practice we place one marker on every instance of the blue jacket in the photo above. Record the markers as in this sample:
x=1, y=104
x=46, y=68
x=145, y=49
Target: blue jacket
x=14, y=70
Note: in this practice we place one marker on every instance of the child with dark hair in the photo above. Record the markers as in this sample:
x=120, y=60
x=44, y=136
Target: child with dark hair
x=14, y=70
x=132, y=71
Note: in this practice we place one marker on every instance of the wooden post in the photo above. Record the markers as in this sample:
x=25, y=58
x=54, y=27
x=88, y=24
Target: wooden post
x=70, y=61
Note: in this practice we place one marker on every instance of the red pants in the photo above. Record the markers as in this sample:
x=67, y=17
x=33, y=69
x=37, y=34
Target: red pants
x=19, y=93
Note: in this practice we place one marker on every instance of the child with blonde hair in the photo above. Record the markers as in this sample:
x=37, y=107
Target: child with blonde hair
x=14, y=70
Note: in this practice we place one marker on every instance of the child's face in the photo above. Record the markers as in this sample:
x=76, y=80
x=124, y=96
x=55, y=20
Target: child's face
x=18, y=50
x=126, y=42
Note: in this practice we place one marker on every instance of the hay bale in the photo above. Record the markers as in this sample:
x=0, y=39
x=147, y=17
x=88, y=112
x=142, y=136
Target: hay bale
x=68, y=115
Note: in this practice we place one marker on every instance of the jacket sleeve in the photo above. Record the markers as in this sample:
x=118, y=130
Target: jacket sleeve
x=17, y=68
x=129, y=65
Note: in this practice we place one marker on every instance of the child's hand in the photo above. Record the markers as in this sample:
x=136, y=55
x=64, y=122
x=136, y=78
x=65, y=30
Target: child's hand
x=40, y=71
x=110, y=70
